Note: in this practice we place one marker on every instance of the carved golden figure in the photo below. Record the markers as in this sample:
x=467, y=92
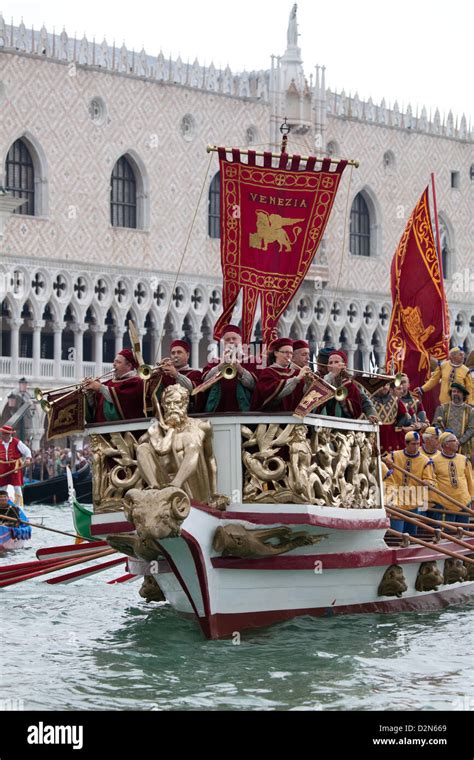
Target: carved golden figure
x=429, y=577
x=237, y=541
x=393, y=582
x=454, y=570
x=178, y=451
x=270, y=230
x=156, y=514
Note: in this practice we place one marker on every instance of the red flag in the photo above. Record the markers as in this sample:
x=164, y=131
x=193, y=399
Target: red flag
x=419, y=327
x=272, y=221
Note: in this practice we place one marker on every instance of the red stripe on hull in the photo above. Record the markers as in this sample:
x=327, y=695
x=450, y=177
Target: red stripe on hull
x=288, y=518
x=342, y=560
x=225, y=625
x=103, y=529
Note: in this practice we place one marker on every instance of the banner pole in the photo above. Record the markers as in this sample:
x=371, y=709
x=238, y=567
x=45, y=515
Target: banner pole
x=438, y=249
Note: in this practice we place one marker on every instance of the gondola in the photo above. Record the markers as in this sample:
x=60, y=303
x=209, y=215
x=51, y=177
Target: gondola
x=55, y=490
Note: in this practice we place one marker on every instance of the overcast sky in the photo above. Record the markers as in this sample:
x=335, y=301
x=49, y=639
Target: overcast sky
x=413, y=51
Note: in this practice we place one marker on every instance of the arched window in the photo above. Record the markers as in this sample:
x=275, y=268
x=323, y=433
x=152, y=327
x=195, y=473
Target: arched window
x=360, y=227
x=123, y=195
x=445, y=245
x=214, y=219
x=20, y=176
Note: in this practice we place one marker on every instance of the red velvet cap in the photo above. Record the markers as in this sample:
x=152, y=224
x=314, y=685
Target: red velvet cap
x=300, y=344
x=231, y=328
x=7, y=429
x=181, y=344
x=128, y=354
x=342, y=354
x=279, y=343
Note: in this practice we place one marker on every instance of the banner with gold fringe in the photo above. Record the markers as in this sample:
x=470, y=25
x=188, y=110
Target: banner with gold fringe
x=419, y=323
x=272, y=222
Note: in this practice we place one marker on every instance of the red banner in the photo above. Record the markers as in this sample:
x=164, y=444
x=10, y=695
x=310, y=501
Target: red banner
x=417, y=328
x=272, y=221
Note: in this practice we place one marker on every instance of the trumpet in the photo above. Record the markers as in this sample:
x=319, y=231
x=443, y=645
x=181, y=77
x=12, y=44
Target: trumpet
x=45, y=403
x=145, y=371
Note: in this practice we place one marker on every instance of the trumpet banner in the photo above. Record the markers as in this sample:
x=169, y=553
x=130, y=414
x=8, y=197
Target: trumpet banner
x=67, y=414
x=419, y=326
x=272, y=221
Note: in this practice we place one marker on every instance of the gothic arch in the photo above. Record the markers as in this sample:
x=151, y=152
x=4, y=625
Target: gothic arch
x=447, y=245
x=375, y=219
x=142, y=184
x=40, y=166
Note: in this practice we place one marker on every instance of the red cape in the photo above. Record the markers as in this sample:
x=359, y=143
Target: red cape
x=270, y=382
x=127, y=396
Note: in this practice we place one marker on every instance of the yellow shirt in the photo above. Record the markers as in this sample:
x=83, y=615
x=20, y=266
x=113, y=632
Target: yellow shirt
x=453, y=476
x=404, y=491
x=448, y=373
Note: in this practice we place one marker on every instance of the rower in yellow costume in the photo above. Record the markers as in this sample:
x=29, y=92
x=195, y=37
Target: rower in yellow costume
x=453, y=474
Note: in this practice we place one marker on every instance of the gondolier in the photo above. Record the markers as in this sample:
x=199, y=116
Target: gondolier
x=12, y=450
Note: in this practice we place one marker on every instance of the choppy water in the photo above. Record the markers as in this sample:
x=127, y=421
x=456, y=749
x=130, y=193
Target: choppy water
x=89, y=645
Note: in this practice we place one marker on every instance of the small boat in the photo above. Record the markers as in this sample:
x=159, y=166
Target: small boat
x=14, y=536
x=55, y=490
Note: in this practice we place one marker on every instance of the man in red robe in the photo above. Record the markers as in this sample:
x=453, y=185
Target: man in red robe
x=230, y=395
x=394, y=419
x=176, y=371
x=280, y=385
x=11, y=452
x=120, y=398
x=356, y=402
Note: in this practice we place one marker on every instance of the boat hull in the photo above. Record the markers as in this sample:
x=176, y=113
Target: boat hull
x=340, y=575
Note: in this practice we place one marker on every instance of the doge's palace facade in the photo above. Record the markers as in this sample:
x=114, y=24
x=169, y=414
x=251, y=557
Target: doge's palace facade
x=75, y=116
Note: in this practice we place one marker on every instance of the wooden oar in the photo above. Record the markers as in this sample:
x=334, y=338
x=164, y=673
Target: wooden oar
x=57, y=552
x=124, y=578
x=402, y=514
x=85, y=571
x=24, y=567
x=434, y=547
x=432, y=488
x=10, y=472
x=52, y=530
x=57, y=566
x=445, y=525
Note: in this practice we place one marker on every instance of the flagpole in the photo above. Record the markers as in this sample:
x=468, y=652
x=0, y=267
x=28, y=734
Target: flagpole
x=440, y=259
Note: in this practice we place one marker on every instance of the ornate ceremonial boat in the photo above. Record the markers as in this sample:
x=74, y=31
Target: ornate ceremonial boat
x=303, y=532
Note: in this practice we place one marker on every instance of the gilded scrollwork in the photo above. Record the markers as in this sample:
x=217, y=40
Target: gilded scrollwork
x=289, y=464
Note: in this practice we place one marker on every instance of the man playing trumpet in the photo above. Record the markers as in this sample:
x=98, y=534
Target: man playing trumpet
x=174, y=370
x=356, y=402
x=120, y=398
x=231, y=395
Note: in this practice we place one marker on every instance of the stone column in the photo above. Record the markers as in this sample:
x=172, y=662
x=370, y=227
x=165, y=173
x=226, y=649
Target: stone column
x=118, y=332
x=194, y=358
x=78, y=331
x=365, y=358
x=37, y=325
x=58, y=331
x=15, y=345
x=350, y=351
x=98, y=333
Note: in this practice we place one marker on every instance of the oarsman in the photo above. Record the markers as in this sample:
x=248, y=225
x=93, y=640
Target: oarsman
x=175, y=370
x=356, y=403
x=230, y=395
x=12, y=451
x=458, y=416
x=406, y=493
x=430, y=440
x=451, y=371
x=393, y=418
x=453, y=476
x=414, y=405
x=120, y=398
x=277, y=388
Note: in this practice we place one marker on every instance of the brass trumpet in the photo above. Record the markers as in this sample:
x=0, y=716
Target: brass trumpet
x=47, y=405
x=145, y=371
